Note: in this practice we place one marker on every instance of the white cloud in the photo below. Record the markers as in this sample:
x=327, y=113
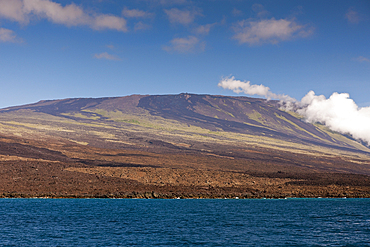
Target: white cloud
x=269, y=31
x=339, y=113
x=136, y=13
x=70, y=15
x=185, y=45
x=352, y=16
x=362, y=59
x=184, y=17
x=109, y=22
x=107, y=56
x=237, y=12
x=238, y=86
x=7, y=35
x=204, y=29
x=13, y=10
x=141, y=26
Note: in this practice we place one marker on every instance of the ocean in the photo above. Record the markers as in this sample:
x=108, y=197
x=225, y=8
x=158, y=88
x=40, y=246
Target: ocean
x=185, y=222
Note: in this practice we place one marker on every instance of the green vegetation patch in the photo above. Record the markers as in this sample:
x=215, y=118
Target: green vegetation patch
x=340, y=138
x=39, y=126
x=296, y=115
x=80, y=115
x=148, y=121
x=256, y=116
x=132, y=121
x=297, y=127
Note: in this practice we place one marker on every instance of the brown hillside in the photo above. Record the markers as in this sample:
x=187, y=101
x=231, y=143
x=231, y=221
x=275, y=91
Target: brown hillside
x=174, y=145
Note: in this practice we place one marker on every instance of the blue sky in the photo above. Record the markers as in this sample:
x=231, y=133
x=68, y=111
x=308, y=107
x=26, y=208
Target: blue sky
x=53, y=49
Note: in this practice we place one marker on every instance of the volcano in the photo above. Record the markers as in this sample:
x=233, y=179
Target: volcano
x=184, y=145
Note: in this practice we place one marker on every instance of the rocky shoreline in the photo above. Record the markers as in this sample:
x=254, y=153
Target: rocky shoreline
x=161, y=196
x=320, y=193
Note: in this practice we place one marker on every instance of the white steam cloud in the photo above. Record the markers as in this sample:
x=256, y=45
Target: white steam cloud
x=338, y=112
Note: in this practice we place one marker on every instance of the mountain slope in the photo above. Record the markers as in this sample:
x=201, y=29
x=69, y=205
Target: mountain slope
x=174, y=145
x=205, y=113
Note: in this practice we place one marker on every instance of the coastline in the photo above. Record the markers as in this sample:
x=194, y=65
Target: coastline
x=176, y=195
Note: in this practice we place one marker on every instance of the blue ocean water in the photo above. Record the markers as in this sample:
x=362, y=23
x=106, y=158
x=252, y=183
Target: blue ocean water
x=156, y=222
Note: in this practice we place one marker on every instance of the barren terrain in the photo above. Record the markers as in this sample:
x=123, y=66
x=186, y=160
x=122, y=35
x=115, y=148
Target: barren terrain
x=187, y=146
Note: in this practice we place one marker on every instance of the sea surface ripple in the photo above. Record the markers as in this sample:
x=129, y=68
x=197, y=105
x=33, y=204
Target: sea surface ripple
x=189, y=222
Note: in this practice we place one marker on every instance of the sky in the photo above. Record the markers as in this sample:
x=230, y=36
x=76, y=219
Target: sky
x=53, y=49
